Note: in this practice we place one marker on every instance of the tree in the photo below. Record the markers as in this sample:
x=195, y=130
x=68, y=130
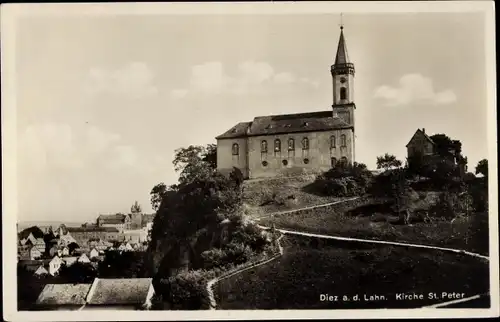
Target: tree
x=195, y=161
x=157, y=194
x=79, y=273
x=210, y=155
x=123, y=265
x=388, y=161
x=482, y=167
x=446, y=147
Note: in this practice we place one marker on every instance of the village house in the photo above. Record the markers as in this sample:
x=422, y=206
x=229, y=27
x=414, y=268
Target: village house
x=33, y=265
x=83, y=258
x=23, y=251
x=41, y=271
x=55, y=265
x=291, y=144
x=34, y=253
x=83, y=235
x=93, y=253
x=135, y=221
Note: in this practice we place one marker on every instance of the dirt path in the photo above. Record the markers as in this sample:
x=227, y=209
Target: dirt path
x=304, y=208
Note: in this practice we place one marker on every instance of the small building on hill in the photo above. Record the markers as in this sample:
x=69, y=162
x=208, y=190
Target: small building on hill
x=423, y=145
x=420, y=144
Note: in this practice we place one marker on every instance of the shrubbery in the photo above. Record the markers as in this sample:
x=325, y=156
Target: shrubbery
x=231, y=255
x=344, y=181
x=186, y=290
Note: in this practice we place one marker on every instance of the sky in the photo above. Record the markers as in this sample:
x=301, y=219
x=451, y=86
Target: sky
x=104, y=101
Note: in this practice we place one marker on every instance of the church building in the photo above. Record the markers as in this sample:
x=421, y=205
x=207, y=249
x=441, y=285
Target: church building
x=293, y=144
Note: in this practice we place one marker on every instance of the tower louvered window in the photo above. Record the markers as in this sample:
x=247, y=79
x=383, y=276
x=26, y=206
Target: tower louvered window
x=343, y=93
x=291, y=144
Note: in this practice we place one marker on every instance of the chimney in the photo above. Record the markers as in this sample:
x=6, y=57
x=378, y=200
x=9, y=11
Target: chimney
x=423, y=130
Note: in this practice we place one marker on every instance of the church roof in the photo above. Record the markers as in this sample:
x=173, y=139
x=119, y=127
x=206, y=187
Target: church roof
x=239, y=130
x=286, y=123
x=342, y=57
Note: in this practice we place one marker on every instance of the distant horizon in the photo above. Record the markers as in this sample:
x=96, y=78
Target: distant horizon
x=104, y=101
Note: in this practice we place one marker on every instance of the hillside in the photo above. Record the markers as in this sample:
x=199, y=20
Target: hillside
x=310, y=268
x=262, y=196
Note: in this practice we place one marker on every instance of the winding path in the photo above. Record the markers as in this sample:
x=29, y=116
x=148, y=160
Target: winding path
x=284, y=232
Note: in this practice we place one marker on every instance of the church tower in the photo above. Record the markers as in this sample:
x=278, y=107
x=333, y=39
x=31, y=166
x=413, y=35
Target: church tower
x=343, y=87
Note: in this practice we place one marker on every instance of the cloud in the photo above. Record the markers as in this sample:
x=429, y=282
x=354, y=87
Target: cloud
x=133, y=80
x=179, y=93
x=211, y=78
x=414, y=88
x=59, y=146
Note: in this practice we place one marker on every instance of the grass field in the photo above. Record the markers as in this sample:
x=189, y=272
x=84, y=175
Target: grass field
x=310, y=268
x=467, y=233
x=258, y=193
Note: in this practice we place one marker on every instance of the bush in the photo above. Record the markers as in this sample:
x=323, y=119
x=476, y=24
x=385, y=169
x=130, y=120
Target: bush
x=344, y=181
x=186, y=290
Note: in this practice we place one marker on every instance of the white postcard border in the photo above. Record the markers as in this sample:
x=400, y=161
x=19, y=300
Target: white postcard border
x=11, y=12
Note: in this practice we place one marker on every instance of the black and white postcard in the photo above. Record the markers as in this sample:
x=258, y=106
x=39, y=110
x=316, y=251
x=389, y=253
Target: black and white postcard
x=275, y=160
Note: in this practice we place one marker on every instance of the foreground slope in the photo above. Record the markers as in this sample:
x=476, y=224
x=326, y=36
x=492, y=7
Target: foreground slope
x=310, y=268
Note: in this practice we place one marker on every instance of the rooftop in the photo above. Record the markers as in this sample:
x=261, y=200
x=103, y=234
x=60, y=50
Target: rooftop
x=63, y=294
x=120, y=291
x=286, y=123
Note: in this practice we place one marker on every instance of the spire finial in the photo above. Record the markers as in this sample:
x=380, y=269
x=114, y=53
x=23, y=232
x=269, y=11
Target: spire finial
x=341, y=22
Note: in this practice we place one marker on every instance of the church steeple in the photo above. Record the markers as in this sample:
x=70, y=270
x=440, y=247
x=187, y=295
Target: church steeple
x=342, y=57
x=343, y=82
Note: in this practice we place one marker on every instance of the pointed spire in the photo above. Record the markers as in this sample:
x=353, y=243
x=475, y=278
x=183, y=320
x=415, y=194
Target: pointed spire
x=342, y=57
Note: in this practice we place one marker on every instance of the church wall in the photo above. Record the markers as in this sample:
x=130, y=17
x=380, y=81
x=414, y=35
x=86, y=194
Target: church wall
x=225, y=158
x=319, y=153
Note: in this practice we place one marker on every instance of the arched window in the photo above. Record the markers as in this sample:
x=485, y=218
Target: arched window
x=333, y=162
x=333, y=144
x=291, y=144
x=277, y=145
x=236, y=149
x=343, y=141
x=263, y=146
x=343, y=93
x=305, y=144
x=343, y=161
